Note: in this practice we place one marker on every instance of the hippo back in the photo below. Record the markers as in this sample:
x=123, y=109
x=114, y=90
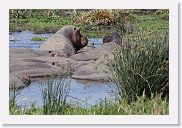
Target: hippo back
x=60, y=42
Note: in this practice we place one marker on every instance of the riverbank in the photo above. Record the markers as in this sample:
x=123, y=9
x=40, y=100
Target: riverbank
x=93, y=23
x=55, y=102
x=143, y=106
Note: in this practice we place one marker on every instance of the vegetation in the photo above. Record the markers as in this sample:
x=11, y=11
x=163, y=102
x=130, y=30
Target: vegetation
x=140, y=67
x=93, y=23
x=55, y=103
x=54, y=97
x=39, y=38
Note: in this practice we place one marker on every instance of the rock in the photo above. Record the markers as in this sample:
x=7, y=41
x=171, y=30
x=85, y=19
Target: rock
x=90, y=64
x=98, y=68
x=85, y=56
x=94, y=53
x=28, y=63
x=91, y=72
x=18, y=80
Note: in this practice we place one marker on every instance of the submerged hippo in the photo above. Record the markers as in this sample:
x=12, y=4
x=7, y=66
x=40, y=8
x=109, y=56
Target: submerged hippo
x=115, y=37
x=65, y=42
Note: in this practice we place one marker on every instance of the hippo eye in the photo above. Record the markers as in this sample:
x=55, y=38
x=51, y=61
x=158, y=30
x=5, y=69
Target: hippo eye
x=74, y=29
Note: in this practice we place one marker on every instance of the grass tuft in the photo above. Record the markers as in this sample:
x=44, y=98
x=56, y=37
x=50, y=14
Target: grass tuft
x=141, y=65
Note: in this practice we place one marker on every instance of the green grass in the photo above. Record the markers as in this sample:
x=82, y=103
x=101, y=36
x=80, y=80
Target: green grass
x=55, y=102
x=45, y=23
x=39, y=38
x=54, y=97
x=41, y=21
x=141, y=65
x=143, y=106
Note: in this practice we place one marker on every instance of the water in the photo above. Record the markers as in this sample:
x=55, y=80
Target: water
x=82, y=92
x=23, y=40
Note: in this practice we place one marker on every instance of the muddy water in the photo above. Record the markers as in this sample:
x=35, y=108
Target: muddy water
x=83, y=93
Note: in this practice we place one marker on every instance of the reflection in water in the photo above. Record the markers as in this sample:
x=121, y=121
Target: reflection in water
x=83, y=93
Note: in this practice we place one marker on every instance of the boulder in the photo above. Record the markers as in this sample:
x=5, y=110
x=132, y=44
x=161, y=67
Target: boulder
x=26, y=64
x=98, y=68
x=91, y=72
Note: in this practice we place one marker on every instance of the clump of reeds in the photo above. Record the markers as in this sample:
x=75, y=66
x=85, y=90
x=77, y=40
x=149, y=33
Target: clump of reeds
x=141, y=65
x=54, y=96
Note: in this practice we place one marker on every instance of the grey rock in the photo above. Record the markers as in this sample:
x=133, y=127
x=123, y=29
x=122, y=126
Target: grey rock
x=90, y=64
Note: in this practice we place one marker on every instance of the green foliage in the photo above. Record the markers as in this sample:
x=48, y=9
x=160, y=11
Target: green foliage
x=39, y=38
x=13, y=107
x=55, y=97
x=141, y=65
x=91, y=22
x=143, y=106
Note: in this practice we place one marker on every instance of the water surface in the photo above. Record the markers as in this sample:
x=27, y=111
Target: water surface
x=84, y=93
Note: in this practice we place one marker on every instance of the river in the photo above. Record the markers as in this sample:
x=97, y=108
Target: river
x=82, y=92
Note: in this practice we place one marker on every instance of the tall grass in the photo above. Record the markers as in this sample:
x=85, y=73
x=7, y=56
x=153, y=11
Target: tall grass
x=54, y=96
x=13, y=101
x=140, y=65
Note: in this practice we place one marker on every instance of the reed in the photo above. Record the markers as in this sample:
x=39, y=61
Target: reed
x=54, y=96
x=141, y=65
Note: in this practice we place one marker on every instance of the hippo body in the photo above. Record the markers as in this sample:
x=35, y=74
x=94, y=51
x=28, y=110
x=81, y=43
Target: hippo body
x=66, y=41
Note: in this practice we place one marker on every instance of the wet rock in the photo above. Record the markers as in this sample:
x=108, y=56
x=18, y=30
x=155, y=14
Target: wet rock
x=26, y=62
x=90, y=64
x=18, y=80
x=98, y=68
x=91, y=72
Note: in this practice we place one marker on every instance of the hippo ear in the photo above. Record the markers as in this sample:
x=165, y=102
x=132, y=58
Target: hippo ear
x=74, y=29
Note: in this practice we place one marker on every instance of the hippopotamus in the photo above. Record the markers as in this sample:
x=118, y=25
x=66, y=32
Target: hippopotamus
x=114, y=37
x=65, y=42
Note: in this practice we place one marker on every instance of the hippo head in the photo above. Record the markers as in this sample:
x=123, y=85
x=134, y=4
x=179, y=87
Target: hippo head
x=107, y=39
x=115, y=37
x=84, y=41
x=79, y=41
